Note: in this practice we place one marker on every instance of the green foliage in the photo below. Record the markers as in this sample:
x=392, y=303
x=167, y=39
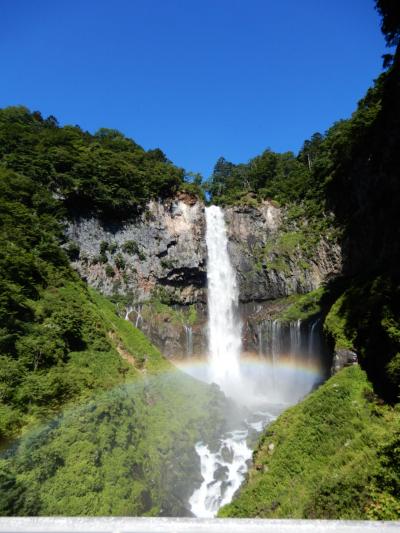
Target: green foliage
x=110, y=272
x=119, y=262
x=73, y=251
x=103, y=247
x=124, y=442
x=279, y=176
x=366, y=318
x=105, y=173
x=335, y=455
x=390, y=13
x=157, y=311
x=285, y=248
x=128, y=451
x=62, y=354
x=131, y=247
x=191, y=315
x=336, y=326
x=303, y=306
x=193, y=185
x=55, y=345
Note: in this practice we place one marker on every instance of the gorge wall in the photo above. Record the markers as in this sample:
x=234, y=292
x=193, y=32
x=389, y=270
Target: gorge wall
x=161, y=256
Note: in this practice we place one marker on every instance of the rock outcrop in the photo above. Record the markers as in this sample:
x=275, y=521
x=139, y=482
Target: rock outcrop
x=343, y=357
x=161, y=254
x=266, y=272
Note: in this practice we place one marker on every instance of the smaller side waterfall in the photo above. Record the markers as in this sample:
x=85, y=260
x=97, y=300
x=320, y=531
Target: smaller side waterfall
x=276, y=341
x=295, y=337
x=292, y=354
x=138, y=310
x=189, y=340
x=313, y=342
x=128, y=311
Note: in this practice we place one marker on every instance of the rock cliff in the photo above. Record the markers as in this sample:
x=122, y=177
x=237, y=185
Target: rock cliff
x=268, y=258
x=163, y=254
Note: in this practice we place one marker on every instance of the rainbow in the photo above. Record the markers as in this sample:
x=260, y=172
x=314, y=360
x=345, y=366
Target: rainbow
x=306, y=366
x=285, y=381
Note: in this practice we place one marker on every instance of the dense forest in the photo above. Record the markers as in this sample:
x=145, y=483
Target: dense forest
x=70, y=366
x=105, y=173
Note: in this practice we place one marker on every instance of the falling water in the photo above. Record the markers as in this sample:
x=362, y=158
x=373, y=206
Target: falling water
x=189, y=340
x=260, y=338
x=276, y=344
x=295, y=338
x=275, y=385
x=313, y=339
x=128, y=311
x=223, y=470
x=138, y=310
x=139, y=318
x=224, y=331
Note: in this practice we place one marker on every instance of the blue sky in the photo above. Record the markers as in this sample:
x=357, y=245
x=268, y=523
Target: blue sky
x=197, y=78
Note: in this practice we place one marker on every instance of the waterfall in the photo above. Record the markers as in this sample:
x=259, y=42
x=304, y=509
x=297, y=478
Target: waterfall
x=295, y=337
x=189, y=340
x=224, y=329
x=313, y=338
x=137, y=309
x=222, y=470
x=278, y=380
x=128, y=311
x=139, y=318
x=260, y=339
x=293, y=354
x=276, y=341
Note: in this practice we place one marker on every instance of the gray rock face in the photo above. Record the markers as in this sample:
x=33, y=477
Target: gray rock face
x=341, y=358
x=163, y=253
x=283, y=270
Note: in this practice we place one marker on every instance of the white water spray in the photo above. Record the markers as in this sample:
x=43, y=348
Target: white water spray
x=224, y=328
x=223, y=472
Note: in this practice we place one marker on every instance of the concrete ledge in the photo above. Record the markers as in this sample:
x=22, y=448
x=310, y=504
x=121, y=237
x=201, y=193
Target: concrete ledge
x=186, y=525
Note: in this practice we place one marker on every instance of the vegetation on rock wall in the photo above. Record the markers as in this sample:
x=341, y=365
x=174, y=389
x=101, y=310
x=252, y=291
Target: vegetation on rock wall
x=302, y=306
x=366, y=318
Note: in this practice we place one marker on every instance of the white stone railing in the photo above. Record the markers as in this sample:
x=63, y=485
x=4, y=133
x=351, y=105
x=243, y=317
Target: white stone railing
x=189, y=525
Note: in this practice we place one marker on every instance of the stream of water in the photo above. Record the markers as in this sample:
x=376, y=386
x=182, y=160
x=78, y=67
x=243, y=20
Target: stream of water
x=281, y=375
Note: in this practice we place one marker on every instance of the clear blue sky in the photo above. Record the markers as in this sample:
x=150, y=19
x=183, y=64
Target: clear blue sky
x=197, y=78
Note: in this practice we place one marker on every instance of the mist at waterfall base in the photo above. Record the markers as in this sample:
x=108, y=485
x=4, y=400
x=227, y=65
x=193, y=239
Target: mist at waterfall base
x=261, y=384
